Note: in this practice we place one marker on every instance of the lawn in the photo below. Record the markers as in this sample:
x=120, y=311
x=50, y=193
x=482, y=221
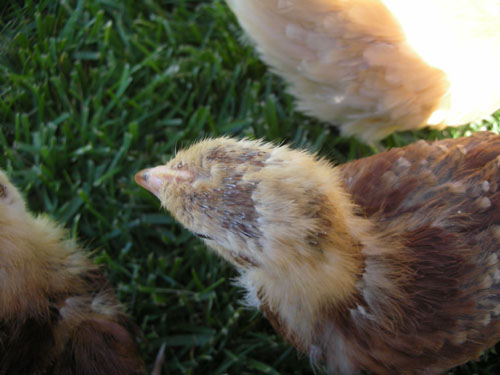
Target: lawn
x=93, y=91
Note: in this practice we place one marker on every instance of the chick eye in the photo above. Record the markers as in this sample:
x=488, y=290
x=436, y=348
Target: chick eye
x=179, y=165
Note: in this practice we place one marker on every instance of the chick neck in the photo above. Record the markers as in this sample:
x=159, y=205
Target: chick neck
x=313, y=262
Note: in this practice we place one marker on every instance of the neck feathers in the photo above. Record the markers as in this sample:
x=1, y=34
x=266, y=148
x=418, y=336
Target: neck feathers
x=312, y=269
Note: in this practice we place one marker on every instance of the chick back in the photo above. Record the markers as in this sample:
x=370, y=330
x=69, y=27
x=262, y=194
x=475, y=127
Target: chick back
x=370, y=68
x=432, y=301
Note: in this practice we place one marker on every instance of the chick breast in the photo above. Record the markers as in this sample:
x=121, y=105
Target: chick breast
x=58, y=314
x=378, y=66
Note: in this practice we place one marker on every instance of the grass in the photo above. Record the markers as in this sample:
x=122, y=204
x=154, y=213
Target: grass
x=93, y=91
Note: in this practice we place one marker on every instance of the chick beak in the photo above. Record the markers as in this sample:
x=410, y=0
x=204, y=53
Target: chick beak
x=153, y=179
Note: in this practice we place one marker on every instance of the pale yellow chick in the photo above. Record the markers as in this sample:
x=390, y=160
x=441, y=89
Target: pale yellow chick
x=372, y=67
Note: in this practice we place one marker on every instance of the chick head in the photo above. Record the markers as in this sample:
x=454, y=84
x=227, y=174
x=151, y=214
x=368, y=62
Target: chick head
x=254, y=203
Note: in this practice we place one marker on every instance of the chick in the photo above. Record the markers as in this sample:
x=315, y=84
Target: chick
x=372, y=67
x=387, y=264
x=58, y=314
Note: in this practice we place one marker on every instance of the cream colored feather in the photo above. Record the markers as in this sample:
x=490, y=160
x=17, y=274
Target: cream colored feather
x=377, y=66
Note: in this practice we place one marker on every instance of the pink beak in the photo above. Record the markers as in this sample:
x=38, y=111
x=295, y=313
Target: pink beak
x=153, y=179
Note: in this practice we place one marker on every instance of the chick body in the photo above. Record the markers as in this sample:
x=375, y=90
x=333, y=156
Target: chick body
x=387, y=264
x=58, y=314
x=372, y=67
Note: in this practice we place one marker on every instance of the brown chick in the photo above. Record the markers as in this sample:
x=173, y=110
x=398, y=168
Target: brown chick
x=372, y=67
x=387, y=264
x=58, y=314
